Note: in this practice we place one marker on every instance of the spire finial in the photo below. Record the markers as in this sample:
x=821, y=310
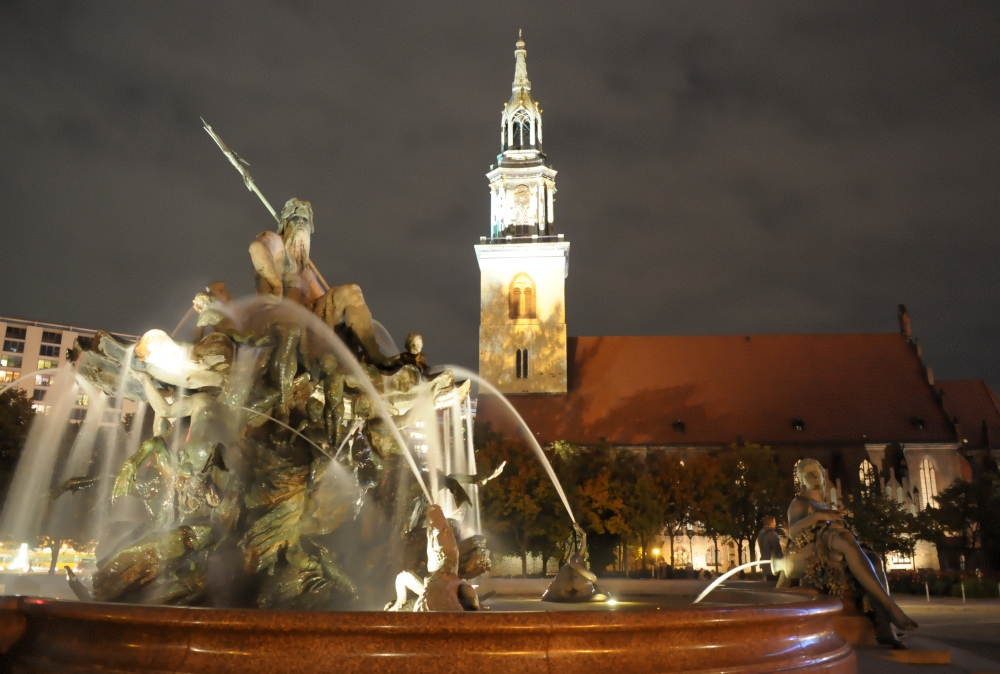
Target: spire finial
x=520, y=67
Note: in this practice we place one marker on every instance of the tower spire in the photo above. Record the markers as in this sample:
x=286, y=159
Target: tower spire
x=521, y=82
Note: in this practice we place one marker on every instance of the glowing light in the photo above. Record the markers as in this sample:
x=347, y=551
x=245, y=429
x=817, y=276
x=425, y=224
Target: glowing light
x=21, y=559
x=612, y=602
x=656, y=552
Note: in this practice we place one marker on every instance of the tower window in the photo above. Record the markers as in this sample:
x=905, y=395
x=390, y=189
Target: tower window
x=522, y=297
x=521, y=130
x=521, y=366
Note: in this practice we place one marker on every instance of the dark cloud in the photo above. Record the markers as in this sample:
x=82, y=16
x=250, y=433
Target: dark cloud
x=724, y=167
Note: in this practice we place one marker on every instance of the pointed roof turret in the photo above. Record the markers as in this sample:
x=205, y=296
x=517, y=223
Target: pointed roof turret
x=521, y=87
x=522, y=119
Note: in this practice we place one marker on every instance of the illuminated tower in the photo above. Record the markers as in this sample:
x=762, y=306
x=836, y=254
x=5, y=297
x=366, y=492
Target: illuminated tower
x=523, y=264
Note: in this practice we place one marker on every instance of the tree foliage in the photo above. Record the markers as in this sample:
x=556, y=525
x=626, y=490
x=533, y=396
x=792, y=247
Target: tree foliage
x=753, y=488
x=882, y=523
x=16, y=415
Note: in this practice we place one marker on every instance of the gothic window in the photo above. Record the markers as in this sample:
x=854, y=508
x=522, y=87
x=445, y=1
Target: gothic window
x=522, y=297
x=866, y=477
x=522, y=129
x=928, y=484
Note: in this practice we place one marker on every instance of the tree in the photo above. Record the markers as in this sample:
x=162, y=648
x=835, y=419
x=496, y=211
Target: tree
x=675, y=491
x=969, y=511
x=882, y=523
x=754, y=488
x=16, y=415
x=521, y=501
x=709, y=506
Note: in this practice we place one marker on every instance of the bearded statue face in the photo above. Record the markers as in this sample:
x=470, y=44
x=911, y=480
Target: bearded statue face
x=296, y=227
x=297, y=238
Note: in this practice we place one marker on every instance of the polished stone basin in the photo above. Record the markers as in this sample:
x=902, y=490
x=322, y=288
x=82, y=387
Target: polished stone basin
x=742, y=631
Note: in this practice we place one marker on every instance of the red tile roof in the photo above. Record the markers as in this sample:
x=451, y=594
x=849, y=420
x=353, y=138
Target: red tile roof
x=724, y=389
x=973, y=402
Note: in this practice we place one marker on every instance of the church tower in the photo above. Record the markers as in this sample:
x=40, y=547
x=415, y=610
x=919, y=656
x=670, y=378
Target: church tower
x=523, y=263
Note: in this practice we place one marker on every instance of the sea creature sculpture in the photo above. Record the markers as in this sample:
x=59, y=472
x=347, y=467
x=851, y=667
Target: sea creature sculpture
x=575, y=582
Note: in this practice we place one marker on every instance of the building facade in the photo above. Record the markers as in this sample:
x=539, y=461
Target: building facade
x=33, y=354
x=866, y=406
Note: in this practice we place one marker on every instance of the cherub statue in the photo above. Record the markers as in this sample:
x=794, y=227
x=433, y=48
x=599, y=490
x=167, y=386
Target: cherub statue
x=824, y=553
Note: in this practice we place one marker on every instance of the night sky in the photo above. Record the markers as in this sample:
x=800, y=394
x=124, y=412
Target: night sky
x=723, y=167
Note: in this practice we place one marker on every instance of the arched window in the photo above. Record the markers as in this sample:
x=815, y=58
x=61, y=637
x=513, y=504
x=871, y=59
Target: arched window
x=522, y=297
x=522, y=129
x=866, y=477
x=928, y=484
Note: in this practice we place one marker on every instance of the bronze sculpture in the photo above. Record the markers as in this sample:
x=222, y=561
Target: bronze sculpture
x=824, y=553
x=243, y=470
x=575, y=582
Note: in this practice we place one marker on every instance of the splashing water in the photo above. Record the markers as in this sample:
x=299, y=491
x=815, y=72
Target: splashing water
x=461, y=371
x=718, y=581
x=17, y=382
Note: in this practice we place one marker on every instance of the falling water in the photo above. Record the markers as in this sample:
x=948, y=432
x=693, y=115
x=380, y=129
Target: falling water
x=461, y=371
x=718, y=581
x=112, y=457
x=27, y=501
x=470, y=453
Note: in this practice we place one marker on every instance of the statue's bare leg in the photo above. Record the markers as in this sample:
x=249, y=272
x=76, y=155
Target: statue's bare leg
x=863, y=571
x=346, y=303
x=406, y=580
x=285, y=363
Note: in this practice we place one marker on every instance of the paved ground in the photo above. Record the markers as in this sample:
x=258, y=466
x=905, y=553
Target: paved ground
x=970, y=632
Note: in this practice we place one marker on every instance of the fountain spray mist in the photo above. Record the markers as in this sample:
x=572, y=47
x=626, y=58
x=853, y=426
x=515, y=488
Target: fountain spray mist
x=461, y=371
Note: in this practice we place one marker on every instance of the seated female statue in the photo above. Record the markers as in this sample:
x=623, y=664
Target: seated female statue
x=833, y=558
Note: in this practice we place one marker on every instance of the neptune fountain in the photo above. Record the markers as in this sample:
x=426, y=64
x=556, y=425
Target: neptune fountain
x=302, y=496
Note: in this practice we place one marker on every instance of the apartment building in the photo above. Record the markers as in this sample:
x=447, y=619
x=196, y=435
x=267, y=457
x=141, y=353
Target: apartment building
x=33, y=349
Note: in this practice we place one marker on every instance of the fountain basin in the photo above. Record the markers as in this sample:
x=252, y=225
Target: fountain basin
x=773, y=631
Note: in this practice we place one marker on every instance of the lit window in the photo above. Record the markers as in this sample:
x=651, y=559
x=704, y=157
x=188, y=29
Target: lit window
x=43, y=380
x=50, y=351
x=7, y=360
x=13, y=346
x=7, y=376
x=522, y=297
x=46, y=364
x=83, y=400
x=928, y=484
x=521, y=367
x=51, y=337
x=41, y=409
x=866, y=475
x=39, y=394
x=78, y=415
